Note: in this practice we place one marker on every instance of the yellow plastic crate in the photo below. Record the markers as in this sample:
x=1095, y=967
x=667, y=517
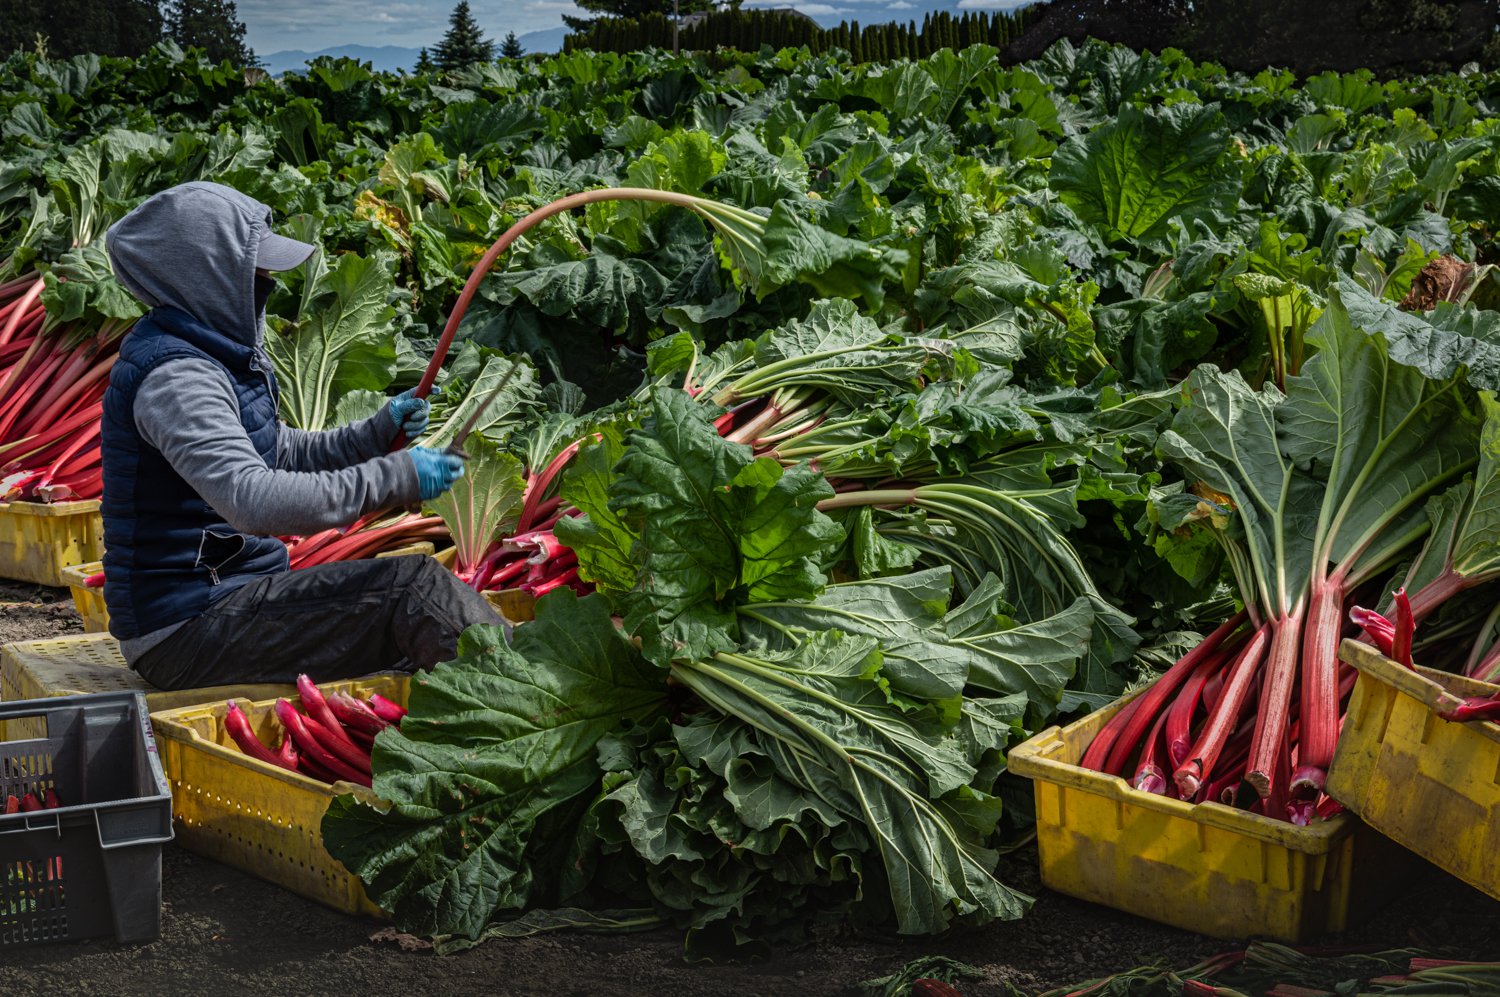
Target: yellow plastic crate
x=1431, y=785
x=85, y=663
x=254, y=816
x=38, y=539
x=1207, y=868
x=88, y=601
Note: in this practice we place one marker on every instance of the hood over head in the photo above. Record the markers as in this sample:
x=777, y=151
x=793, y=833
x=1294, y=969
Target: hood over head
x=194, y=247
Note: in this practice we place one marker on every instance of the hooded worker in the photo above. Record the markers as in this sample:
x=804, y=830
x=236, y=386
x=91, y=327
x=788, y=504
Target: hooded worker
x=201, y=477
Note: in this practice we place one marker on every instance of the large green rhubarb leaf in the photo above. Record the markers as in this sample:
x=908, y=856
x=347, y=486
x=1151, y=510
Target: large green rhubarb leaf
x=343, y=340
x=825, y=722
x=485, y=503
x=497, y=741
x=1147, y=168
x=713, y=527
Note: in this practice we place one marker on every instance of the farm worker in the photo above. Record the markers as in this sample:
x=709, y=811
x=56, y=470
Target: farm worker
x=201, y=476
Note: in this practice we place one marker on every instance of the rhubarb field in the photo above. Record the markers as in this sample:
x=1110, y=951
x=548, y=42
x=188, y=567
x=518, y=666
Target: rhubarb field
x=912, y=409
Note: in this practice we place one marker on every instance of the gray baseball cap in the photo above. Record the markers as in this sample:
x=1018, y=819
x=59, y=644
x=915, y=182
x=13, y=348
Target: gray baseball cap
x=277, y=252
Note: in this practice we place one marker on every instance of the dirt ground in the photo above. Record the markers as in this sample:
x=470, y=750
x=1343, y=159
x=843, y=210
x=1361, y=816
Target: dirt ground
x=225, y=931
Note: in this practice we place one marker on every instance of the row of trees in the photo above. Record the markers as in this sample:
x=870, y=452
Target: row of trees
x=748, y=30
x=1388, y=36
x=65, y=28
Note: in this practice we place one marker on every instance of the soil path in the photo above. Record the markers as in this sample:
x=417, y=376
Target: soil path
x=225, y=931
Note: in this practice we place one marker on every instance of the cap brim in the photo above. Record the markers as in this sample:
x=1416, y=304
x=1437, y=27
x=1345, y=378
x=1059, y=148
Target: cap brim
x=277, y=252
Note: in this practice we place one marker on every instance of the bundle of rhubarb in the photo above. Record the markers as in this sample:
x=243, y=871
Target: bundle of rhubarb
x=329, y=739
x=32, y=800
x=59, y=336
x=377, y=533
x=1319, y=499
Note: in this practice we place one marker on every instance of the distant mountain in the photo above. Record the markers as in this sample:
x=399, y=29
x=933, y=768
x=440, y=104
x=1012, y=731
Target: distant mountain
x=388, y=58
x=550, y=40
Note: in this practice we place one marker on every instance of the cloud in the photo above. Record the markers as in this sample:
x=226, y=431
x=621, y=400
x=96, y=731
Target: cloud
x=991, y=4
x=810, y=9
x=899, y=5
x=557, y=6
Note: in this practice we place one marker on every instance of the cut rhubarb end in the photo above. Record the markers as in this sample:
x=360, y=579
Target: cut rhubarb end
x=1308, y=780
x=1260, y=782
x=1150, y=779
x=1188, y=779
x=1300, y=812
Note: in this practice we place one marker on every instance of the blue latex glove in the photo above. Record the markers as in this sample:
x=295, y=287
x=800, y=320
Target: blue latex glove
x=410, y=413
x=437, y=470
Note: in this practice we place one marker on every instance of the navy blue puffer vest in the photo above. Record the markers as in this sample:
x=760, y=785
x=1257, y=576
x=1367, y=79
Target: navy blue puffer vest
x=168, y=554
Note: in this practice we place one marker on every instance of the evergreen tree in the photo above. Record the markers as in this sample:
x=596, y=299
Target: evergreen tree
x=464, y=44
x=424, y=63
x=511, y=47
x=212, y=25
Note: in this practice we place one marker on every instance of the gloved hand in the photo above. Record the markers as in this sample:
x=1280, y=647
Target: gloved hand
x=437, y=470
x=409, y=413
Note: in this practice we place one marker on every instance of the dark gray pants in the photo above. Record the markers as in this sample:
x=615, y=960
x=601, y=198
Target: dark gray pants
x=332, y=621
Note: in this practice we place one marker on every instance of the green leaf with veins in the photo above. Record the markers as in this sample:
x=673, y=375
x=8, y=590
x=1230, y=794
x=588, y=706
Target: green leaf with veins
x=342, y=341
x=600, y=537
x=494, y=741
x=485, y=503
x=713, y=527
x=1148, y=168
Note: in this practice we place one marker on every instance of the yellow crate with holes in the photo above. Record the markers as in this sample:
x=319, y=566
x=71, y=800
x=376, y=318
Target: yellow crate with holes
x=87, y=663
x=1208, y=868
x=39, y=539
x=1431, y=785
x=255, y=816
x=89, y=602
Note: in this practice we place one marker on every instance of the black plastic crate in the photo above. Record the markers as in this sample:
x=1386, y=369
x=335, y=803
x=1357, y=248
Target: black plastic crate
x=92, y=867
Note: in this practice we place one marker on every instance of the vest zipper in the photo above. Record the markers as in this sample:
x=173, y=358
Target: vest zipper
x=271, y=389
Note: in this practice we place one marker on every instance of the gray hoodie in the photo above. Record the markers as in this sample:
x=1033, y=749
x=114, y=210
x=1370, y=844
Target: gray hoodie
x=193, y=248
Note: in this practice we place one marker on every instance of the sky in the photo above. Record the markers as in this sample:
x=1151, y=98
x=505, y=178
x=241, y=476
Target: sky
x=312, y=25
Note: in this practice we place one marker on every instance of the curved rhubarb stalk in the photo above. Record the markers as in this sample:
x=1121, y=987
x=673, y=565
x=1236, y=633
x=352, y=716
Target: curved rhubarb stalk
x=237, y=726
x=500, y=245
x=1381, y=631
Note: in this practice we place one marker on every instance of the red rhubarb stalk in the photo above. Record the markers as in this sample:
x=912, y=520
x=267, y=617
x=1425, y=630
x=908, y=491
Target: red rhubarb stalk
x=1095, y=755
x=385, y=709
x=1405, y=627
x=1275, y=700
x=237, y=726
x=1381, y=631
x=1149, y=777
x=356, y=715
x=317, y=707
x=1319, y=705
x=1179, y=717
